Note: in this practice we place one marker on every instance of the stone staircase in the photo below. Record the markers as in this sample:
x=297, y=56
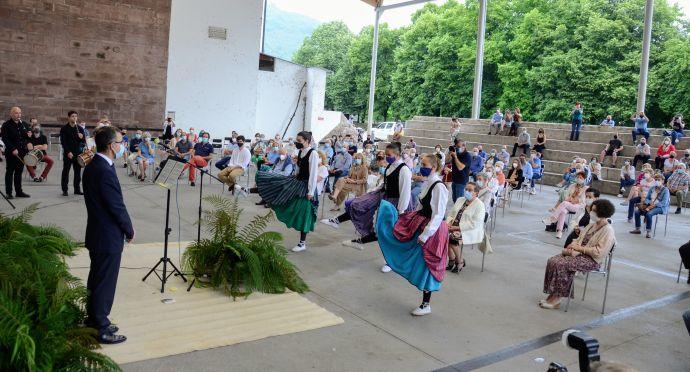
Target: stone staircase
x=430, y=131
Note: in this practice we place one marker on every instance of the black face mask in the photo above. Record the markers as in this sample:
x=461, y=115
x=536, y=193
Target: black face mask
x=240, y=144
x=299, y=145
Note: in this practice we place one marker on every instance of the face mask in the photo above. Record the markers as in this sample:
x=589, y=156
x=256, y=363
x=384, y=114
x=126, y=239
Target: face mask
x=299, y=145
x=480, y=184
x=425, y=171
x=679, y=171
x=438, y=150
x=589, y=202
x=515, y=165
x=461, y=150
x=147, y=139
x=468, y=196
x=382, y=170
x=120, y=152
x=137, y=136
x=275, y=148
x=593, y=216
x=358, y=161
x=283, y=156
x=493, y=153
x=647, y=177
x=627, y=162
x=327, y=146
x=390, y=159
x=667, y=143
x=240, y=144
x=183, y=139
x=475, y=153
x=580, y=181
x=191, y=131
x=204, y=139
x=497, y=171
x=672, y=156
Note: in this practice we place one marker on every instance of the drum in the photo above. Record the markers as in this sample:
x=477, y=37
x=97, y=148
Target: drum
x=85, y=158
x=33, y=158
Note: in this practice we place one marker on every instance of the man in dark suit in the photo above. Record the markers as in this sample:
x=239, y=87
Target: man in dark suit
x=15, y=134
x=107, y=227
x=73, y=141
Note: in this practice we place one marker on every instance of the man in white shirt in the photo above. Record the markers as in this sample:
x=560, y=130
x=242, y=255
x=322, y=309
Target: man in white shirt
x=496, y=119
x=239, y=161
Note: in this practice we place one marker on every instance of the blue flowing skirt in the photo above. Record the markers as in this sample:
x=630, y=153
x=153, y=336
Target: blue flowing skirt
x=405, y=258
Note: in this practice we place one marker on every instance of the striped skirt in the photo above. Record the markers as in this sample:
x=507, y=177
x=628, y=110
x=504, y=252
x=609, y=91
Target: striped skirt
x=287, y=196
x=560, y=271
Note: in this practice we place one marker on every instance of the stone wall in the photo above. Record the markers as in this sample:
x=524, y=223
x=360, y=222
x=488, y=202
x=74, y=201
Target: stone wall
x=93, y=56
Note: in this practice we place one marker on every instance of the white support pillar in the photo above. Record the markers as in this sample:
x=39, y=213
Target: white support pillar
x=644, y=64
x=479, y=62
x=372, y=79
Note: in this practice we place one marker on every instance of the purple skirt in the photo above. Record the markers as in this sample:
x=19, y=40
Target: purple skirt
x=363, y=208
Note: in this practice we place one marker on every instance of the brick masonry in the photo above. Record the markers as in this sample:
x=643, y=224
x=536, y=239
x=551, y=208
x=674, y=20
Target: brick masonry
x=94, y=56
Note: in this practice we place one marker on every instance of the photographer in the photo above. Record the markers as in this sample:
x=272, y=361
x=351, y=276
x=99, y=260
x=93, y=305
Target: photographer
x=459, y=160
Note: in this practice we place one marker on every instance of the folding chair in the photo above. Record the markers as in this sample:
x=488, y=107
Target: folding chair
x=323, y=197
x=680, y=268
x=541, y=177
x=605, y=272
x=656, y=222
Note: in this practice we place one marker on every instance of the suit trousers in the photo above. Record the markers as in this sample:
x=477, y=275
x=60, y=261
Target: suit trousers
x=13, y=174
x=101, y=284
x=68, y=163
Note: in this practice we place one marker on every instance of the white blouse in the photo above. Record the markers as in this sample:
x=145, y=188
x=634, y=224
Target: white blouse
x=439, y=201
x=404, y=184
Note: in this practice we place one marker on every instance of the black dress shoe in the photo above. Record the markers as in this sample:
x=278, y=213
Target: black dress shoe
x=112, y=329
x=22, y=195
x=64, y=193
x=78, y=193
x=110, y=338
x=9, y=196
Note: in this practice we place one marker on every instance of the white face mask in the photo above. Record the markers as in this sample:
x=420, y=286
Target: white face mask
x=589, y=202
x=283, y=156
x=594, y=217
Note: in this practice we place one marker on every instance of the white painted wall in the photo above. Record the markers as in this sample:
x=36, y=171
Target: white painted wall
x=277, y=97
x=212, y=84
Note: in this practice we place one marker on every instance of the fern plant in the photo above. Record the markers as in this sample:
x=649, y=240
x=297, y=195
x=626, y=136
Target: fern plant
x=41, y=303
x=241, y=260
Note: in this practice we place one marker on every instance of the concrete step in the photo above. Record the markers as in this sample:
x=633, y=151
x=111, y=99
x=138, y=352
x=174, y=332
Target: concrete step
x=555, y=133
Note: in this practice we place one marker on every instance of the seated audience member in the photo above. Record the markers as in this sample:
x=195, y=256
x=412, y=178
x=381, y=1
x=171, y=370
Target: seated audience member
x=537, y=170
x=500, y=175
x=484, y=194
x=670, y=165
x=398, y=131
x=527, y=172
x=477, y=163
x=663, y=152
x=641, y=121
x=134, y=151
x=327, y=149
x=595, y=168
x=369, y=154
x=192, y=136
x=491, y=158
x=515, y=178
x=125, y=143
x=686, y=158
x=282, y=166
x=495, y=123
x=507, y=121
x=350, y=145
x=321, y=173
x=657, y=202
x=642, y=152
x=677, y=125
x=583, y=217
x=438, y=151
x=417, y=184
x=608, y=122
x=482, y=153
x=147, y=155
x=515, y=125
x=684, y=252
x=200, y=156
x=40, y=142
x=355, y=182
x=677, y=185
x=239, y=161
x=627, y=177
x=644, y=182
x=409, y=157
x=270, y=156
x=183, y=148
x=455, y=126
x=341, y=164
x=411, y=144
x=614, y=147
x=491, y=179
x=586, y=253
x=541, y=142
x=574, y=201
x=369, y=140
x=465, y=224
x=523, y=141
x=504, y=156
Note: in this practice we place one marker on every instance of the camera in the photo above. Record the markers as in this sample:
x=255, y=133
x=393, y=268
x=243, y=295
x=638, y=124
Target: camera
x=586, y=346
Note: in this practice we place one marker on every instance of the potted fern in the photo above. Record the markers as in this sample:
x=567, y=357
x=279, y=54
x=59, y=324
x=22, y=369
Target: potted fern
x=240, y=260
x=42, y=305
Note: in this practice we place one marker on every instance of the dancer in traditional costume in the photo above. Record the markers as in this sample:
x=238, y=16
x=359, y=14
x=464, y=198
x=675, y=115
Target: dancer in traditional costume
x=415, y=245
x=396, y=189
x=294, y=199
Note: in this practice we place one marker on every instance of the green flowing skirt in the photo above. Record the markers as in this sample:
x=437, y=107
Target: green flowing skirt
x=287, y=196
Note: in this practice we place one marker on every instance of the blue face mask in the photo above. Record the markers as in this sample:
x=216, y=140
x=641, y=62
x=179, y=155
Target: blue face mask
x=468, y=196
x=382, y=170
x=120, y=152
x=390, y=159
x=424, y=171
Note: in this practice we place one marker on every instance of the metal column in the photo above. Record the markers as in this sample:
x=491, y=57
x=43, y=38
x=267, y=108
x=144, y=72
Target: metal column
x=372, y=79
x=644, y=64
x=479, y=63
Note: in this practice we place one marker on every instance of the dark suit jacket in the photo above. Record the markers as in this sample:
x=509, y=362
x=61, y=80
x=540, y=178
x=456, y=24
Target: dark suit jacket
x=108, y=222
x=15, y=137
x=70, y=141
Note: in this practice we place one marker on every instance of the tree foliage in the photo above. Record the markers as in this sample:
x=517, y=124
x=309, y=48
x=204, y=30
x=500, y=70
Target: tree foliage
x=540, y=55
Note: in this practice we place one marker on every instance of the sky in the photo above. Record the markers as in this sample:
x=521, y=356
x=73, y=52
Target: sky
x=356, y=14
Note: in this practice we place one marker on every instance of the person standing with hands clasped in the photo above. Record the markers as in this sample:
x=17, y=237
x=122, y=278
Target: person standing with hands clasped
x=73, y=141
x=15, y=135
x=108, y=226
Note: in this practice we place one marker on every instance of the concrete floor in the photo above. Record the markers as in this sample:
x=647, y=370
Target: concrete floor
x=474, y=315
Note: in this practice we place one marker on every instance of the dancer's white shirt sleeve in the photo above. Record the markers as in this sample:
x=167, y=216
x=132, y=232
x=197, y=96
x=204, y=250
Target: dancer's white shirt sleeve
x=405, y=184
x=313, y=172
x=439, y=200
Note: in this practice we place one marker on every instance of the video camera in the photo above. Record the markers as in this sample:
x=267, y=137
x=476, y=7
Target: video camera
x=586, y=346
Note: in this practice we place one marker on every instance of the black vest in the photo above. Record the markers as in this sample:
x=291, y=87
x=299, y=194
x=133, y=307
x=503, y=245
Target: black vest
x=392, y=180
x=426, y=201
x=303, y=164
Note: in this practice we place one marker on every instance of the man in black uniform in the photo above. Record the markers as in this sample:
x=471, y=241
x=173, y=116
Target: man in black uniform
x=73, y=141
x=15, y=134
